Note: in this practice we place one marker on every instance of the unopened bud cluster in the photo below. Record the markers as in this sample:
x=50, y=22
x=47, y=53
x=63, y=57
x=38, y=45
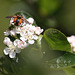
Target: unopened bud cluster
x=28, y=34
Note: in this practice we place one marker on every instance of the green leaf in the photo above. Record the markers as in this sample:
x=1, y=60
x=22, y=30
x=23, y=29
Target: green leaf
x=64, y=61
x=56, y=40
x=56, y=72
x=48, y=53
x=69, y=71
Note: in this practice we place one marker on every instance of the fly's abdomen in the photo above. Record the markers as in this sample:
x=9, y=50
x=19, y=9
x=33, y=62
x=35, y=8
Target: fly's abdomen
x=17, y=22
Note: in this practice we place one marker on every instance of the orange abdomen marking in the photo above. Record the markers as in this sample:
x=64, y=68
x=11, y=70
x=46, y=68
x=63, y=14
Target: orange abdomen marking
x=20, y=21
x=15, y=19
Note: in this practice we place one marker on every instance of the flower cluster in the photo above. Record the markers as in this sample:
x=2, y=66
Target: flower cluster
x=71, y=40
x=28, y=34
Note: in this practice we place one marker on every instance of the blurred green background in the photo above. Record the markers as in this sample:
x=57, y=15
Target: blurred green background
x=59, y=14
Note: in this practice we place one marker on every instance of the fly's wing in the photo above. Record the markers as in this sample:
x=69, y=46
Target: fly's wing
x=26, y=20
x=11, y=16
x=20, y=16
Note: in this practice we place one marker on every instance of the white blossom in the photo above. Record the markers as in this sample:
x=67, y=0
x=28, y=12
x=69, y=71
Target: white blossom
x=35, y=37
x=31, y=41
x=73, y=44
x=12, y=33
x=12, y=21
x=17, y=30
x=38, y=30
x=12, y=54
x=30, y=20
x=71, y=40
x=6, y=33
x=7, y=41
x=23, y=38
x=11, y=50
x=28, y=35
x=20, y=44
x=6, y=51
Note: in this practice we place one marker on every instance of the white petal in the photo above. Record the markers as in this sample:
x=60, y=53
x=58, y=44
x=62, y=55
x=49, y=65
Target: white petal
x=22, y=33
x=7, y=41
x=35, y=37
x=18, y=50
x=33, y=28
x=16, y=42
x=12, y=33
x=38, y=30
x=11, y=21
x=18, y=29
x=30, y=20
x=12, y=54
x=23, y=38
x=6, y=51
x=73, y=44
x=6, y=38
x=23, y=45
x=6, y=33
x=71, y=39
x=31, y=41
